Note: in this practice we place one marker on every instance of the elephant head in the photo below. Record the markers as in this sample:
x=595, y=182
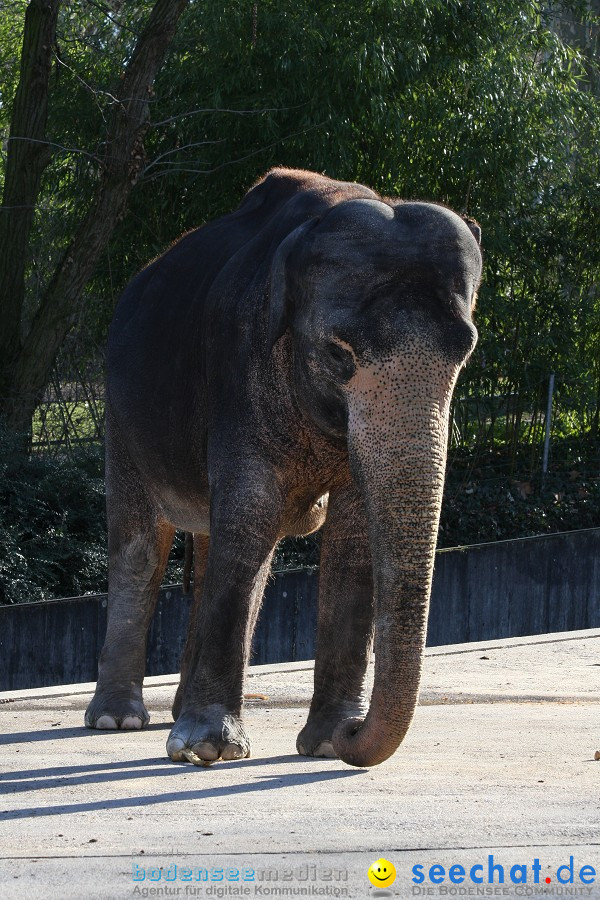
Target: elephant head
x=379, y=297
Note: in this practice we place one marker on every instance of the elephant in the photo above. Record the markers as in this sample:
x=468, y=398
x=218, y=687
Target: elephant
x=287, y=366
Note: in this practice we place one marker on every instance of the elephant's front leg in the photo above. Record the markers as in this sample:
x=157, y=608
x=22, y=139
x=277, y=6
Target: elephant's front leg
x=345, y=625
x=245, y=521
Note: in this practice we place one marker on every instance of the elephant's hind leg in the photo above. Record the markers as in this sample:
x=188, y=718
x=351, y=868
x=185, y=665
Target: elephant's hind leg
x=345, y=625
x=139, y=541
x=189, y=658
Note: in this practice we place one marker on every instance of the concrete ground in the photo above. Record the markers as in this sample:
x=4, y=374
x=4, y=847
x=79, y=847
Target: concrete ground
x=497, y=770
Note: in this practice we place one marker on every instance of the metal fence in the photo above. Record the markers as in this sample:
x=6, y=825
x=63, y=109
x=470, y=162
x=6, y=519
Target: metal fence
x=71, y=412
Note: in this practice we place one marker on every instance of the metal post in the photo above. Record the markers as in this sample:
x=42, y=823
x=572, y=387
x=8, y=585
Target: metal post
x=548, y=425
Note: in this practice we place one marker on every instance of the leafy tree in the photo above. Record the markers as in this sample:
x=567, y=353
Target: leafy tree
x=490, y=107
x=501, y=126
x=28, y=353
x=479, y=105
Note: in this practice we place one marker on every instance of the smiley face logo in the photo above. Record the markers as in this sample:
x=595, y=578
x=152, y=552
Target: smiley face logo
x=382, y=873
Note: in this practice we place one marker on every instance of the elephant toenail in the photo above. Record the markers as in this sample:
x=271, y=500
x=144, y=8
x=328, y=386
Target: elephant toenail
x=174, y=747
x=232, y=751
x=325, y=749
x=131, y=723
x=205, y=750
x=105, y=723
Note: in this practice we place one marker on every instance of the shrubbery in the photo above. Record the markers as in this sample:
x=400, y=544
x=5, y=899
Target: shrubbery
x=52, y=524
x=496, y=500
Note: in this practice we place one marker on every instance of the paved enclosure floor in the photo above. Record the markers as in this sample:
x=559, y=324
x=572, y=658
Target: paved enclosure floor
x=499, y=763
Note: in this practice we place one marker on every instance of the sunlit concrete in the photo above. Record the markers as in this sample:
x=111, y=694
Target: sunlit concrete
x=499, y=762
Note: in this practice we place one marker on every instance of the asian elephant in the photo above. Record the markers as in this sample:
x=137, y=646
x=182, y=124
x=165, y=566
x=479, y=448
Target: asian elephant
x=286, y=366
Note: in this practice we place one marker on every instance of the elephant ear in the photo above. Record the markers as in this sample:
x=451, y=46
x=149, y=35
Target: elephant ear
x=282, y=288
x=474, y=227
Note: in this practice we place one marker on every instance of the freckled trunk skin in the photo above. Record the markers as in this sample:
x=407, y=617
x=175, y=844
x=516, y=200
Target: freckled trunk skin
x=397, y=436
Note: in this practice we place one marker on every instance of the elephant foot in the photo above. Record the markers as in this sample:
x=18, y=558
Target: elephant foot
x=315, y=739
x=205, y=736
x=109, y=710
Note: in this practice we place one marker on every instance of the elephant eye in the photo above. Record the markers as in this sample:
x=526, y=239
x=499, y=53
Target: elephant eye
x=341, y=361
x=337, y=353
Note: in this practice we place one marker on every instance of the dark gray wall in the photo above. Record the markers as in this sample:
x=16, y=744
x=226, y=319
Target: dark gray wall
x=506, y=589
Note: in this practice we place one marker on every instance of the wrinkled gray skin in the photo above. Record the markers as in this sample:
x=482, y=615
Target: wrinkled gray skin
x=287, y=365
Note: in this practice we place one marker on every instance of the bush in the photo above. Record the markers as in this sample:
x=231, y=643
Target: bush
x=52, y=523
x=495, y=497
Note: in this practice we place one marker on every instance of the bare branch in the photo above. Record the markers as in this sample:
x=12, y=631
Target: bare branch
x=95, y=92
x=158, y=159
x=240, y=159
x=235, y=112
x=104, y=9
x=31, y=140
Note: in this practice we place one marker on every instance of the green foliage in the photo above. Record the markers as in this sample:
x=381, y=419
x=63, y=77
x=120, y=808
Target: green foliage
x=297, y=553
x=478, y=105
x=52, y=524
x=499, y=126
x=53, y=540
x=64, y=421
x=493, y=499
x=481, y=105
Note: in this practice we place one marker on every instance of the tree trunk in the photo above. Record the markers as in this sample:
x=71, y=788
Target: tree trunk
x=122, y=163
x=27, y=157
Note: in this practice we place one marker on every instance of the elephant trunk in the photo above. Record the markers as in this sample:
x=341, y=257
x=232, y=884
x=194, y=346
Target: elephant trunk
x=397, y=438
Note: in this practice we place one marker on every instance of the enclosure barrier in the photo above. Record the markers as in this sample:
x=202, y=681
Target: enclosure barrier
x=486, y=591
